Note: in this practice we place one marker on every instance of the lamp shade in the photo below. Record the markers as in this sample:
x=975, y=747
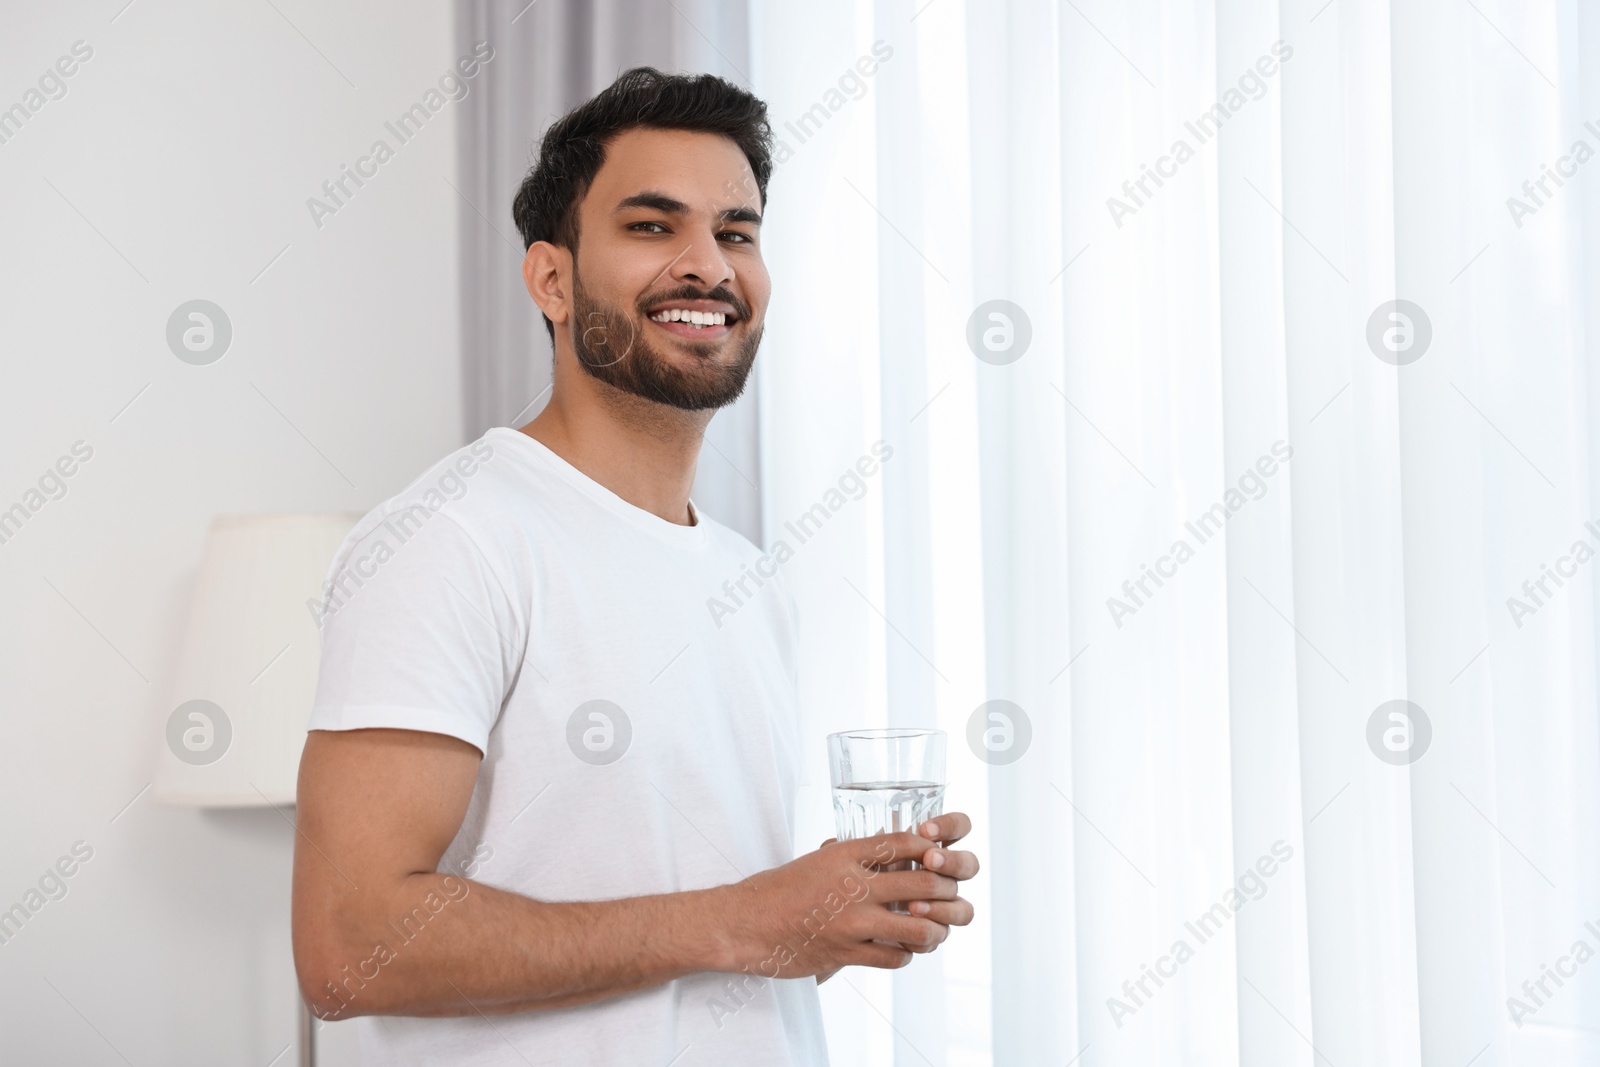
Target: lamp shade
x=247, y=674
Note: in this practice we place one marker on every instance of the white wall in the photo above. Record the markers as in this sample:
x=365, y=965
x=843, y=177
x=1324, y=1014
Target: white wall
x=177, y=166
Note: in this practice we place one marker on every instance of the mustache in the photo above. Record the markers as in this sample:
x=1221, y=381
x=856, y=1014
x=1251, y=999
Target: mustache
x=740, y=309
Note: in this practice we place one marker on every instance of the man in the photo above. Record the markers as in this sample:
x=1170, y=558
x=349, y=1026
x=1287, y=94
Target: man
x=546, y=802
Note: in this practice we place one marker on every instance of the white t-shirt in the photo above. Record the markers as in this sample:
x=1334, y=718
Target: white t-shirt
x=631, y=683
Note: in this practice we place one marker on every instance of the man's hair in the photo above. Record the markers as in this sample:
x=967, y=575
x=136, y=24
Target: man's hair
x=546, y=205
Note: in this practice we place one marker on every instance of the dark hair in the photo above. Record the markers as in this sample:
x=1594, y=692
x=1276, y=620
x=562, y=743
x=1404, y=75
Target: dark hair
x=574, y=147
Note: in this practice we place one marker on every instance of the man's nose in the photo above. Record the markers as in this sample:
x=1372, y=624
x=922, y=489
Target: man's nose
x=702, y=263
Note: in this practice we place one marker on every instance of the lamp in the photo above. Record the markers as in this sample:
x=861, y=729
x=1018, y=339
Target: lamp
x=247, y=675
x=248, y=671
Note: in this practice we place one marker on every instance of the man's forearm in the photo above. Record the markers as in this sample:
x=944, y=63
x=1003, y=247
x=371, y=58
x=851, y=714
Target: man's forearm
x=441, y=945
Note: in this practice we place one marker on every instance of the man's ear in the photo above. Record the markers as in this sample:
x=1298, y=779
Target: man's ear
x=546, y=271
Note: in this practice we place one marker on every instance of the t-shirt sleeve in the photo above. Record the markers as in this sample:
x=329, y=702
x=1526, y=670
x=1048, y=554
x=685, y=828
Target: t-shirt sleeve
x=417, y=632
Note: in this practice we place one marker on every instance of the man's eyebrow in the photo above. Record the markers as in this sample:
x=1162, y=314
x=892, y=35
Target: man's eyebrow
x=673, y=206
x=658, y=201
x=742, y=214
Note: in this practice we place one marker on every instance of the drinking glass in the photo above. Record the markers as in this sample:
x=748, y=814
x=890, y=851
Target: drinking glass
x=886, y=781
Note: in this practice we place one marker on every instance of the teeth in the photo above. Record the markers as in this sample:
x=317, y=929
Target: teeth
x=694, y=318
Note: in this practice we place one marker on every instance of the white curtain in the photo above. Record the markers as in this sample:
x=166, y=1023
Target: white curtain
x=1212, y=735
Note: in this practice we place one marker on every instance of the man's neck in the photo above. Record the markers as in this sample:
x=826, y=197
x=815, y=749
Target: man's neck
x=642, y=451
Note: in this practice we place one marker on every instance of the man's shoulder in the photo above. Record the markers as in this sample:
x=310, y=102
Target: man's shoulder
x=460, y=482
x=477, y=479
x=465, y=495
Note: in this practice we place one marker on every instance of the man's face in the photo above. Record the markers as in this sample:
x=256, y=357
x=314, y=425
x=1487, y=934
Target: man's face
x=670, y=230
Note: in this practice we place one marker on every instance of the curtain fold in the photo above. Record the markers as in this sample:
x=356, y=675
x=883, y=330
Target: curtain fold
x=1225, y=516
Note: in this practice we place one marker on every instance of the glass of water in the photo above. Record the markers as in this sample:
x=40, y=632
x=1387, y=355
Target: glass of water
x=885, y=782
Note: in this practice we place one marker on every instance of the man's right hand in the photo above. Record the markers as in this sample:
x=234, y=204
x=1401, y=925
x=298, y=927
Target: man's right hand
x=830, y=908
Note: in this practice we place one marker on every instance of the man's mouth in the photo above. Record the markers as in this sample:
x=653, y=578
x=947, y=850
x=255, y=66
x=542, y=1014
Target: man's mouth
x=699, y=323
x=693, y=318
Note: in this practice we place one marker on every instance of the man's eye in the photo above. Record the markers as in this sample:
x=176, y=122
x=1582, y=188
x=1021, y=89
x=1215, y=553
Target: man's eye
x=658, y=227
x=740, y=237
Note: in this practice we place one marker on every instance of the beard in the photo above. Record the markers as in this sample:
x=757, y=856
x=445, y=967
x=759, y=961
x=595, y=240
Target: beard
x=611, y=347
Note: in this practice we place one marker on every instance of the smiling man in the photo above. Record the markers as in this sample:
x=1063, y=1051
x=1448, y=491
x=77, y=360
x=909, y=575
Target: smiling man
x=546, y=805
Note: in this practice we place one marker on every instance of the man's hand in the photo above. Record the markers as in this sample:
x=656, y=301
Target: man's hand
x=829, y=908
x=946, y=830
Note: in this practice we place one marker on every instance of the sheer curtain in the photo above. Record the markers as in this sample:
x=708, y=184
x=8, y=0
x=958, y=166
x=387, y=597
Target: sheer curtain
x=1199, y=503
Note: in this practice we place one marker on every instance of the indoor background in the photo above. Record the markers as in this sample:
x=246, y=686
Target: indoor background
x=1235, y=358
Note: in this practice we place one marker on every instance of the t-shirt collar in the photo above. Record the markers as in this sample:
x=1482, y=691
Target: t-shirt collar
x=672, y=532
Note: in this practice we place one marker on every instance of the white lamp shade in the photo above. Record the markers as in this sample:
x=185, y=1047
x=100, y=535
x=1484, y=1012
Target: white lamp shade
x=247, y=676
